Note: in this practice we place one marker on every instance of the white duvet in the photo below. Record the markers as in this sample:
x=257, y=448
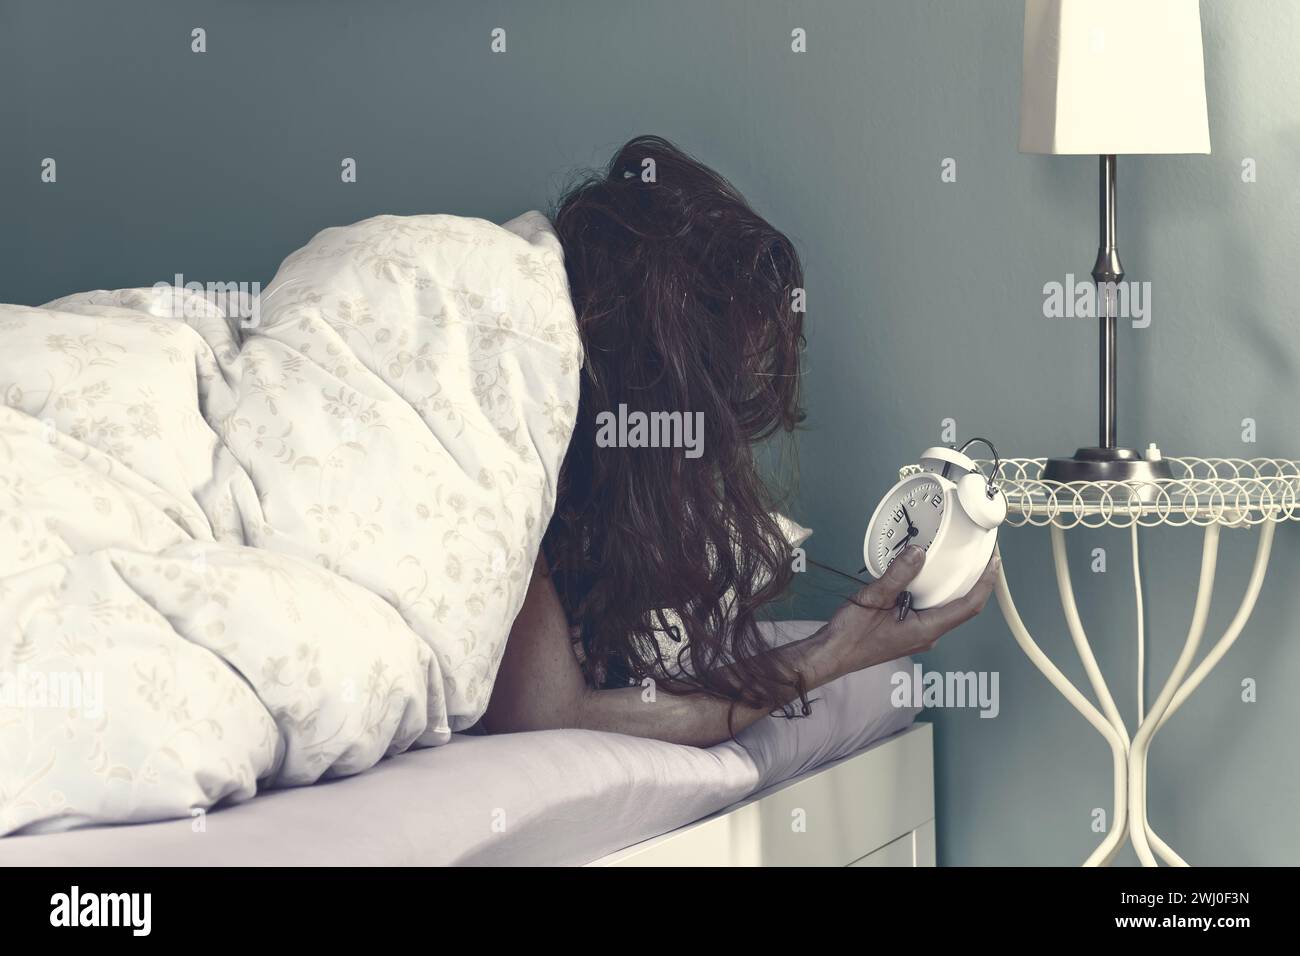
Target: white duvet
x=239, y=557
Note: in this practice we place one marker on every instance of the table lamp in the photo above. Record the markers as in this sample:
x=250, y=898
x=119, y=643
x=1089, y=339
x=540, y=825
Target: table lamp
x=1105, y=78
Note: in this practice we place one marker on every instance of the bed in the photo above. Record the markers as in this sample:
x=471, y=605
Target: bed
x=261, y=565
x=852, y=782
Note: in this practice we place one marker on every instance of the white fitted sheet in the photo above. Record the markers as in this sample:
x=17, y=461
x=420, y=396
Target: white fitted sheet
x=550, y=797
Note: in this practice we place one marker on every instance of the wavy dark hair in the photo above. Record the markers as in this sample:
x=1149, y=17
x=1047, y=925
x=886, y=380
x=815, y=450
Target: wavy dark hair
x=685, y=299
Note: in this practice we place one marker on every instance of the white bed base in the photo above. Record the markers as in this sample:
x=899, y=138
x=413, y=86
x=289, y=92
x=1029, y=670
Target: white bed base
x=872, y=808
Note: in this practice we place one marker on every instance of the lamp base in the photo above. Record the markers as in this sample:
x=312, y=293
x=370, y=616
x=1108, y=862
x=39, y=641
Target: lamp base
x=1105, y=464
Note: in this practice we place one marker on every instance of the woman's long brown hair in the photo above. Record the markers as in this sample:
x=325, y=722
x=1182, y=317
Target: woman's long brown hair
x=687, y=301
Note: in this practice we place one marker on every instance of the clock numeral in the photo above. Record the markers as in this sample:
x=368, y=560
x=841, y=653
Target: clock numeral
x=937, y=501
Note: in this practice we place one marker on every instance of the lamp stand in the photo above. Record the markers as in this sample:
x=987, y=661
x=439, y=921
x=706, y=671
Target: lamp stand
x=1106, y=461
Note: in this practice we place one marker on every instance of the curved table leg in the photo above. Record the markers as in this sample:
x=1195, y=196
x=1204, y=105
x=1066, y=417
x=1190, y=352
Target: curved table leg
x=1137, y=755
x=1072, y=620
x=1263, y=549
x=1108, y=847
x=1099, y=687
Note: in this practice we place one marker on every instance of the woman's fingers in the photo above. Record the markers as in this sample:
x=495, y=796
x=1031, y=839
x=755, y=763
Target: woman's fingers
x=884, y=593
x=941, y=620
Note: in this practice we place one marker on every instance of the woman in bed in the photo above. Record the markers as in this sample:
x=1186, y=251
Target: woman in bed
x=659, y=562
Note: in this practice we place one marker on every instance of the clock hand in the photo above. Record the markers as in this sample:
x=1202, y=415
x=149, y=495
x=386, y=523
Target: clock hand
x=911, y=528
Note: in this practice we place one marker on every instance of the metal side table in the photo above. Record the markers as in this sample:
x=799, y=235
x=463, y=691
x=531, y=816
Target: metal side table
x=1209, y=493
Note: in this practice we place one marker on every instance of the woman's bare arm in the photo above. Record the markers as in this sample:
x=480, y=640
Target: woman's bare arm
x=540, y=684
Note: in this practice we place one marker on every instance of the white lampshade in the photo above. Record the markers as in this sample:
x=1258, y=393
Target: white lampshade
x=1113, y=76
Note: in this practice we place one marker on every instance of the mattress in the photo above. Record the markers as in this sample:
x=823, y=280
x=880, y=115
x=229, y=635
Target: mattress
x=544, y=798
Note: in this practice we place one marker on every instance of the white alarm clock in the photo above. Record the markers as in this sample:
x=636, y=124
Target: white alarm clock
x=950, y=510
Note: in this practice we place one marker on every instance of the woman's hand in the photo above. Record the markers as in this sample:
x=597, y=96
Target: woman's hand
x=867, y=630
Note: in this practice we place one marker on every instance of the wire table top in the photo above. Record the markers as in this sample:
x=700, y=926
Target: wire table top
x=1232, y=492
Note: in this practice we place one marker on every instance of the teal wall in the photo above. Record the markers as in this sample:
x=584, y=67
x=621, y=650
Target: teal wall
x=925, y=297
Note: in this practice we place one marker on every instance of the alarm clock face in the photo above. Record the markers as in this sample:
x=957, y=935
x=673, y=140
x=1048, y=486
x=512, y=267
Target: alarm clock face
x=914, y=513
